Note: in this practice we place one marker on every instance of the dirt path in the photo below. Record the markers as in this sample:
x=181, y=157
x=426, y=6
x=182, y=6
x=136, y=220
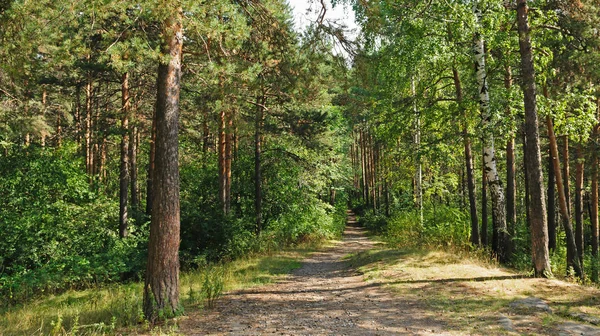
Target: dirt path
x=324, y=297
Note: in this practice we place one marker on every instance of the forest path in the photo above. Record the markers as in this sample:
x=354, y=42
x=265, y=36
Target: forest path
x=326, y=296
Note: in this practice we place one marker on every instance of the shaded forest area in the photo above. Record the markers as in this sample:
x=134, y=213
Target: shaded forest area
x=141, y=139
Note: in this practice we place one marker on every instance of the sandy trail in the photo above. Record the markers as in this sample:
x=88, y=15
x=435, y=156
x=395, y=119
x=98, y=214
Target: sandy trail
x=323, y=297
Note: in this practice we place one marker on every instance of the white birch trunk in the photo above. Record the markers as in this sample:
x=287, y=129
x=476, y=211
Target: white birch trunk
x=489, y=157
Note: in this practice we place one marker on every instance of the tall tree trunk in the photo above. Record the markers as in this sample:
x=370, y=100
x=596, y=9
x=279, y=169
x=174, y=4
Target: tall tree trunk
x=257, y=163
x=161, y=288
x=511, y=181
x=484, y=208
x=572, y=260
x=124, y=171
x=495, y=184
x=579, y=210
x=133, y=168
x=89, y=152
x=551, y=204
x=228, y=161
x=124, y=162
x=363, y=158
x=594, y=203
x=475, y=236
x=567, y=171
x=537, y=210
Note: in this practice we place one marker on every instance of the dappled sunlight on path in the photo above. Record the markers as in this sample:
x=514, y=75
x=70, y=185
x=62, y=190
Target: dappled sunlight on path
x=324, y=297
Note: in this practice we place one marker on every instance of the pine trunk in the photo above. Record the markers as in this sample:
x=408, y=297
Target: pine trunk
x=161, y=289
x=551, y=205
x=572, y=261
x=537, y=209
x=579, y=210
x=124, y=170
x=511, y=181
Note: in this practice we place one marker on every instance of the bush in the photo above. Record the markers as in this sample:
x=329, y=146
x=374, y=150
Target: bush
x=57, y=232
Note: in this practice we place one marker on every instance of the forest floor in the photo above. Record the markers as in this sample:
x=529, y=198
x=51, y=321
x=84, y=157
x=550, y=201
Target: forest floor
x=360, y=287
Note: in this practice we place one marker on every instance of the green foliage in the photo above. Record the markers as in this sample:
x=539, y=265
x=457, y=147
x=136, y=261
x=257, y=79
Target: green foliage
x=58, y=234
x=442, y=226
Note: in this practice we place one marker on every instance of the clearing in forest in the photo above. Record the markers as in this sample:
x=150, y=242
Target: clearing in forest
x=358, y=287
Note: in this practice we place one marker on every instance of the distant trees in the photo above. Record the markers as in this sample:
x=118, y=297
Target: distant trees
x=432, y=42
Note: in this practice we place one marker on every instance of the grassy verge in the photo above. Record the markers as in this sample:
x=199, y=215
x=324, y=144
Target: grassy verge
x=470, y=294
x=118, y=308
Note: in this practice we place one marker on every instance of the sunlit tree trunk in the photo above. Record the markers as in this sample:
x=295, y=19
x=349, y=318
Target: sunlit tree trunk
x=594, y=206
x=579, y=194
x=124, y=170
x=551, y=204
x=511, y=181
x=491, y=171
x=161, y=288
x=572, y=260
x=537, y=209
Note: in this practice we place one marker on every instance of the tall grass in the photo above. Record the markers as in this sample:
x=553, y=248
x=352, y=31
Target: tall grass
x=114, y=308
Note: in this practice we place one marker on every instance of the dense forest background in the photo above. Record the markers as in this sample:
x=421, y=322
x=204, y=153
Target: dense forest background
x=462, y=124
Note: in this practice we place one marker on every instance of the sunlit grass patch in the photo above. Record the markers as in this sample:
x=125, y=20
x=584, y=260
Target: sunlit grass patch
x=118, y=308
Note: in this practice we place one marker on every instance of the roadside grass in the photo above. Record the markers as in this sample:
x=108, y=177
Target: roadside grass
x=471, y=294
x=117, y=309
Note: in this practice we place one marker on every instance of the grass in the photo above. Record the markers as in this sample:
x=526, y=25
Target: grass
x=117, y=308
x=470, y=293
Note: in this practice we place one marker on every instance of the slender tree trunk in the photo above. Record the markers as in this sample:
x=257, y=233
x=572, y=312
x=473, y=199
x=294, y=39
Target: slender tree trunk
x=257, y=163
x=161, y=289
x=475, y=236
x=495, y=184
x=223, y=161
x=572, y=260
x=364, y=167
x=579, y=210
x=594, y=206
x=567, y=171
x=124, y=171
x=484, y=208
x=551, y=205
x=511, y=180
x=133, y=146
x=228, y=161
x=537, y=210
x=89, y=153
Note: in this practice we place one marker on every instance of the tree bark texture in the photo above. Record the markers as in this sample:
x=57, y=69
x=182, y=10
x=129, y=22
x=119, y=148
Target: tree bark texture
x=551, y=204
x=161, y=289
x=579, y=210
x=511, y=181
x=594, y=206
x=491, y=171
x=572, y=260
x=538, y=220
x=124, y=170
